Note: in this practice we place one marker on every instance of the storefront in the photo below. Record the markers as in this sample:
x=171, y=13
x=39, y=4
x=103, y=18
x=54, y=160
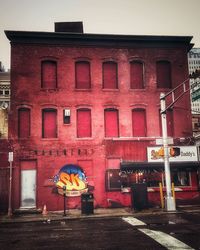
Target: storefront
x=184, y=168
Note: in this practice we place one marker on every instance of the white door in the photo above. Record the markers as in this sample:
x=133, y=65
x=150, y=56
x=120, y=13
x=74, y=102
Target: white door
x=28, y=188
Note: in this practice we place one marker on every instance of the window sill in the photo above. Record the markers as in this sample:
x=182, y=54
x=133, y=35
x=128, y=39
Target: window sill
x=49, y=90
x=110, y=90
x=49, y=139
x=137, y=90
x=83, y=90
x=84, y=138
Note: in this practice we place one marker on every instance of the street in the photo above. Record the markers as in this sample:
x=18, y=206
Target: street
x=139, y=231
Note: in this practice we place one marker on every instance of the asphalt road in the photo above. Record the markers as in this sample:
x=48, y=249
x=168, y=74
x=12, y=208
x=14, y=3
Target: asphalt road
x=156, y=231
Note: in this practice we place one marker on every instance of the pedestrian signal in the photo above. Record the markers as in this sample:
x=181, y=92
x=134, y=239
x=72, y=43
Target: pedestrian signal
x=174, y=151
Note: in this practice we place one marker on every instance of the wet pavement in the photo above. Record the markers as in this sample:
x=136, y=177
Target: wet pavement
x=110, y=229
x=29, y=215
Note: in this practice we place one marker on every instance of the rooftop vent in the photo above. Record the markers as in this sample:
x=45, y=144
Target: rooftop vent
x=71, y=27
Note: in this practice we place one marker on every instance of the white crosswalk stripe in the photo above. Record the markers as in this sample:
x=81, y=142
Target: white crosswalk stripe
x=164, y=239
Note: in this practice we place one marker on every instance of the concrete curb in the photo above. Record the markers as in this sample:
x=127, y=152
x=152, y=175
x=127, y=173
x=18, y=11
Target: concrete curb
x=76, y=214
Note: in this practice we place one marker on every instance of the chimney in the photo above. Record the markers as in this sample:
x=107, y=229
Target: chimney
x=71, y=27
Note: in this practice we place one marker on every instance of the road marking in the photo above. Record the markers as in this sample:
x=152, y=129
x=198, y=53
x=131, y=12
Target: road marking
x=134, y=221
x=164, y=239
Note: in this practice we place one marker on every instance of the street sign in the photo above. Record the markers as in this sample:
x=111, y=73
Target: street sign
x=196, y=95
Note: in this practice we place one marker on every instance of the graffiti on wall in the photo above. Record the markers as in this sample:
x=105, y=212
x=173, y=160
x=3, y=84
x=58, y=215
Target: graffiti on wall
x=71, y=178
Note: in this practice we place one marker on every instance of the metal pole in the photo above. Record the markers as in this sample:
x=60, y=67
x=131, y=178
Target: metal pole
x=64, y=198
x=10, y=159
x=169, y=200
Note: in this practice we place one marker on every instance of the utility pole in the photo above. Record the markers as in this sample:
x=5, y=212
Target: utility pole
x=175, y=94
x=10, y=159
x=169, y=200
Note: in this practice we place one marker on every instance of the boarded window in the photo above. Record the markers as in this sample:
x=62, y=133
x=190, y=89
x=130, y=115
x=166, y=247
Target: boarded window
x=111, y=123
x=136, y=75
x=24, y=122
x=139, y=122
x=84, y=123
x=49, y=74
x=82, y=71
x=163, y=72
x=49, y=123
x=110, y=75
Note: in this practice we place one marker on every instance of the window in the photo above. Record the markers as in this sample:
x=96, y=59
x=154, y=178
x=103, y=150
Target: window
x=110, y=75
x=82, y=71
x=66, y=116
x=180, y=178
x=49, y=123
x=111, y=123
x=163, y=72
x=113, y=180
x=24, y=122
x=136, y=75
x=139, y=122
x=84, y=123
x=49, y=75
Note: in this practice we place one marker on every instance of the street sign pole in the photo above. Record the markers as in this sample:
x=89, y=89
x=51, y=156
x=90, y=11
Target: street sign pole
x=169, y=200
x=10, y=159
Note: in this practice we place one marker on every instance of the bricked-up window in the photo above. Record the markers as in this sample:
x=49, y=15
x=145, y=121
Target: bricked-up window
x=170, y=123
x=82, y=74
x=49, y=75
x=111, y=122
x=49, y=123
x=110, y=75
x=163, y=72
x=84, y=123
x=136, y=75
x=139, y=122
x=24, y=122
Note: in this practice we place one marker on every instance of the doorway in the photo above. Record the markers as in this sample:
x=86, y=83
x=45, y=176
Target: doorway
x=28, y=188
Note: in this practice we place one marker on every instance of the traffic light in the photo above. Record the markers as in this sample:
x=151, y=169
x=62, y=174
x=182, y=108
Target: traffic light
x=174, y=151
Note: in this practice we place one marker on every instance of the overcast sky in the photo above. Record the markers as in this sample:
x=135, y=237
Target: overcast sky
x=134, y=17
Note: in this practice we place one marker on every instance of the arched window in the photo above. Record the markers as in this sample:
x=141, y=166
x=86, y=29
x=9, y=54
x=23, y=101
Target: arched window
x=139, y=122
x=111, y=121
x=49, y=123
x=110, y=75
x=24, y=122
x=49, y=74
x=136, y=75
x=82, y=75
x=84, y=123
x=163, y=73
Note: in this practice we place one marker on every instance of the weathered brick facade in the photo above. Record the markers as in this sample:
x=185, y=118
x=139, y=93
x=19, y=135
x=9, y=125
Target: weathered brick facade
x=97, y=153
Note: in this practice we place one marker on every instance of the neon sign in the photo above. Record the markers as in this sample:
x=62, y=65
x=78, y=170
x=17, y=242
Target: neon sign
x=73, y=178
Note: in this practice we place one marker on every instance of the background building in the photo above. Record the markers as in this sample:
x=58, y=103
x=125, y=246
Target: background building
x=4, y=103
x=85, y=115
x=194, y=64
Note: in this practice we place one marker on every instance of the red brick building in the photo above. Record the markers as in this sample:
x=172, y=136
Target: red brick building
x=84, y=110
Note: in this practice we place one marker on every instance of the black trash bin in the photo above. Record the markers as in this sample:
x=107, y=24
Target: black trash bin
x=139, y=196
x=87, y=203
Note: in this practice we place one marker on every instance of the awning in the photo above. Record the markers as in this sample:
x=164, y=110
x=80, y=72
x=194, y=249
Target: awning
x=157, y=166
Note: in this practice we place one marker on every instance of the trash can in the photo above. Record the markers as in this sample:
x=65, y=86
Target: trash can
x=139, y=196
x=87, y=203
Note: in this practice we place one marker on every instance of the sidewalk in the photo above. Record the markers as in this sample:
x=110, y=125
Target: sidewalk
x=97, y=213
x=74, y=214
